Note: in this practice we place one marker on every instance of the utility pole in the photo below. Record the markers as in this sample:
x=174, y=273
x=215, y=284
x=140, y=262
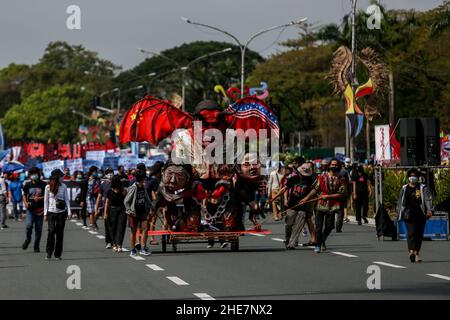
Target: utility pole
x=354, y=80
x=391, y=100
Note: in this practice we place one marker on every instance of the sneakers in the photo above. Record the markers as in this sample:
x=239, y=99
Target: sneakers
x=138, y=247
x=48, y=257
x=145, y=252
x=209, y=246
x=133, y=253
x=108, y=246
x=317, y=249
x=5, y=227
x=37, y=250
x=305, y=233
x=25, y=244
x=224, y=245
x=58, y=258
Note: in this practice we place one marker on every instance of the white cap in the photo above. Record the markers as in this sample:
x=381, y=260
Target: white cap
x=348, y=161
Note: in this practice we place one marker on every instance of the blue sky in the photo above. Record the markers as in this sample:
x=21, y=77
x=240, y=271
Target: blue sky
x=116, y=28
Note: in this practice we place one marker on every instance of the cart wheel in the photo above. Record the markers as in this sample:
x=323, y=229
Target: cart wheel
x=235, y=245
x=164, y=243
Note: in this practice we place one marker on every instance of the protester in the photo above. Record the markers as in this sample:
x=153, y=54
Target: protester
x=361, y=194
x=33, y=198
x=153, y=186
x=15, y=196
x=415, y=206
x=261, y=195
x=123, y=177
x=342, y=215
x=67, y=176
x=3, y=202
x=115, y=214
x=347, y=172
x=274, y=187
x=298, y=185
x=138, y=205
x=323, y=166
x=105, y=186
x=89, y=193
x=56, y=209
x=332, y=189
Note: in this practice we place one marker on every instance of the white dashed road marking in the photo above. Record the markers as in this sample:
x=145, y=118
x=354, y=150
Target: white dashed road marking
x=154, y=267
x=204, y=296
x=93, y=232
x=278, y=239
x=389, y=265
x=178, y=281
x=438, y=276
x=79, y=224
x=101, y=237
x=137, y=258
x=253, y=234
x=344, y=254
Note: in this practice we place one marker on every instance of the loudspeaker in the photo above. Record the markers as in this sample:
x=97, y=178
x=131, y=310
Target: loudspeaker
x=432, y=143
x=411, y=146
x=419, y=142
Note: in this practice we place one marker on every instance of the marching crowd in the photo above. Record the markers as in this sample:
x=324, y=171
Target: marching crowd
x=317, y=199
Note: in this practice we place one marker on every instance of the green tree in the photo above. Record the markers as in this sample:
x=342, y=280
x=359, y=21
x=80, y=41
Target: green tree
x=11, y=81
x=44, y=116
x=201, y=77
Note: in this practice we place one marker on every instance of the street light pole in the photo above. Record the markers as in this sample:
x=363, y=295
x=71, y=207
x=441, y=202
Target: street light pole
x=186, y=68
x=243, y=47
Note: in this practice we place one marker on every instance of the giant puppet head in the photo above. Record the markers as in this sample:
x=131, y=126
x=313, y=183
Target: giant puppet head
x=176, y=177
x=210, y=113
x=250, y=169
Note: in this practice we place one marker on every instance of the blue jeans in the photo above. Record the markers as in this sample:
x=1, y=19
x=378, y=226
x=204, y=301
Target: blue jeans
x=38, y=222
x=16, y=210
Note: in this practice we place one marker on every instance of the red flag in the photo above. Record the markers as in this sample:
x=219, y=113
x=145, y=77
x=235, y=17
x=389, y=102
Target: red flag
x=152, y=120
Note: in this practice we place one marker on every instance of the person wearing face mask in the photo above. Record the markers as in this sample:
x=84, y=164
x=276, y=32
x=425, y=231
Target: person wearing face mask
x=361, y=194
x=105, y=186
x=415, y=206
x=56, y=210
x=33, y=199
x=332, y=190
x=138, y=205
x=90, y=189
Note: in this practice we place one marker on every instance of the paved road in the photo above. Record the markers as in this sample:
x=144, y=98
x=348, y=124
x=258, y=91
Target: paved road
x=262, y=269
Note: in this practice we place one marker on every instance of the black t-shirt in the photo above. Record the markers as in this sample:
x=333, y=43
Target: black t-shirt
x=139, y=205
x=298, y=188
x=413, y=200
x=32, y=190
x=116, y=199
x=361, y=183
x=104, y=189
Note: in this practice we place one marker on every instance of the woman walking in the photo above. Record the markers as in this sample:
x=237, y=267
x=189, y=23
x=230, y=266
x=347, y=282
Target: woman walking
x=415, y=206
x=56, y=209
x=115, y=213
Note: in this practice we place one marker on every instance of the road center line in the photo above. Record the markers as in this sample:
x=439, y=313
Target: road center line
x=344, y=254
x=278, y=239
x=178, y=281
x=438, y=276
x=154, y=267
x=137, y=258
x=204, y=296
x=389, y=265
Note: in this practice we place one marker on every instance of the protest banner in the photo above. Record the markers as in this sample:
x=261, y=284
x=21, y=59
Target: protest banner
x=48, y=167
